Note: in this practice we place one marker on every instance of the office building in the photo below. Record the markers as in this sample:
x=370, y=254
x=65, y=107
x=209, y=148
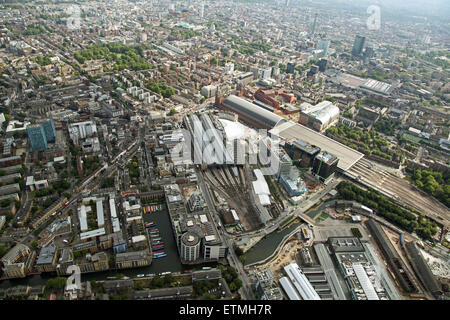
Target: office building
x=325, y=165
x=190, y=246
x=323, y=45
x=358, y=45
x=266, y=73
x=49, y=130
x=322, y=64
x=314, y=25
x=37, y=137
x=290, y=68
x=46, y=261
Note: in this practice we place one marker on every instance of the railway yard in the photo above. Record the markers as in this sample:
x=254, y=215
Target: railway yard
x=233, y=186
x=400, y=189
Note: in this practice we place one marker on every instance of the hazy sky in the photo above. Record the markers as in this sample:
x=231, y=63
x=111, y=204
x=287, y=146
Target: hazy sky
x=439, y=8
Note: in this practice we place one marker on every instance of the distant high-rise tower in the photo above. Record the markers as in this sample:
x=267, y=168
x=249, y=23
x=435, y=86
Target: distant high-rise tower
x=322, y=64
x=358, y=45
x=368, y=53
x=314, y=25
x=287, y=3
x=323, y=45
x=290, y=67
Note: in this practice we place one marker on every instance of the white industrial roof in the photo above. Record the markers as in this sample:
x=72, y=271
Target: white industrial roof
x=260, y=185
x=203, y=218
x=100, y=214
x=93, y=233
x=289, y=289
x=30, y=180
x=300, y=282
x=138, y=238
x=235, y=216
x=417, y=131
x=210, y=238
x=264, y=199
x=364, y=280
x=114, y=218
x=83, y=218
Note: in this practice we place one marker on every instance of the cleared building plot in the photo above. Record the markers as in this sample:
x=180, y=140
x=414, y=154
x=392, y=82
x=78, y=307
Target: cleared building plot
x=374, y=176
x=291, y=130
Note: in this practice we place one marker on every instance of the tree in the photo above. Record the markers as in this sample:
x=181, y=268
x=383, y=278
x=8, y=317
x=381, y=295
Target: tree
x=34, y=244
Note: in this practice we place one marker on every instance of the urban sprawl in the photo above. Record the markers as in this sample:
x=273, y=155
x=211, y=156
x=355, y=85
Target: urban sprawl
x=255, y=150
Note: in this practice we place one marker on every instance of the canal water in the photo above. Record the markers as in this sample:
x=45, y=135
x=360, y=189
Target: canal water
x=266, y=246
x=170, y=263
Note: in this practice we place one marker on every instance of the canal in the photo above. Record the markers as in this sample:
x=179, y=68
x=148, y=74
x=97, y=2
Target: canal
x=266, y=246
x=170, y=263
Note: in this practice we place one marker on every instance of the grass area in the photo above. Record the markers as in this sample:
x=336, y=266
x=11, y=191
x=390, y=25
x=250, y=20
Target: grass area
x=322, y=217
x=287, y=222
x=412, y=138
x=167, y=281
x=356, y=232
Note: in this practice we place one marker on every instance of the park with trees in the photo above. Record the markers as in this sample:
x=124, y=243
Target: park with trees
x=122, y=56
x=434, y=183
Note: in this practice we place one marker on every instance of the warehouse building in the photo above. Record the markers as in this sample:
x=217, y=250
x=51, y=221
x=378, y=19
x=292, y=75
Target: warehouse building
x=422, y=269
x=251, y=113
x=393, y=258
x=289, y=289
x=300, y=282
x=330, y=273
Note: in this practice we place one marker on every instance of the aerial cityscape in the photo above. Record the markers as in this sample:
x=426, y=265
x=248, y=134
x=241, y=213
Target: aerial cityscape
x=224, y=150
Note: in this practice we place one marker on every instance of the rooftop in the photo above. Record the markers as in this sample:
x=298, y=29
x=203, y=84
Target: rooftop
x=346, y=155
